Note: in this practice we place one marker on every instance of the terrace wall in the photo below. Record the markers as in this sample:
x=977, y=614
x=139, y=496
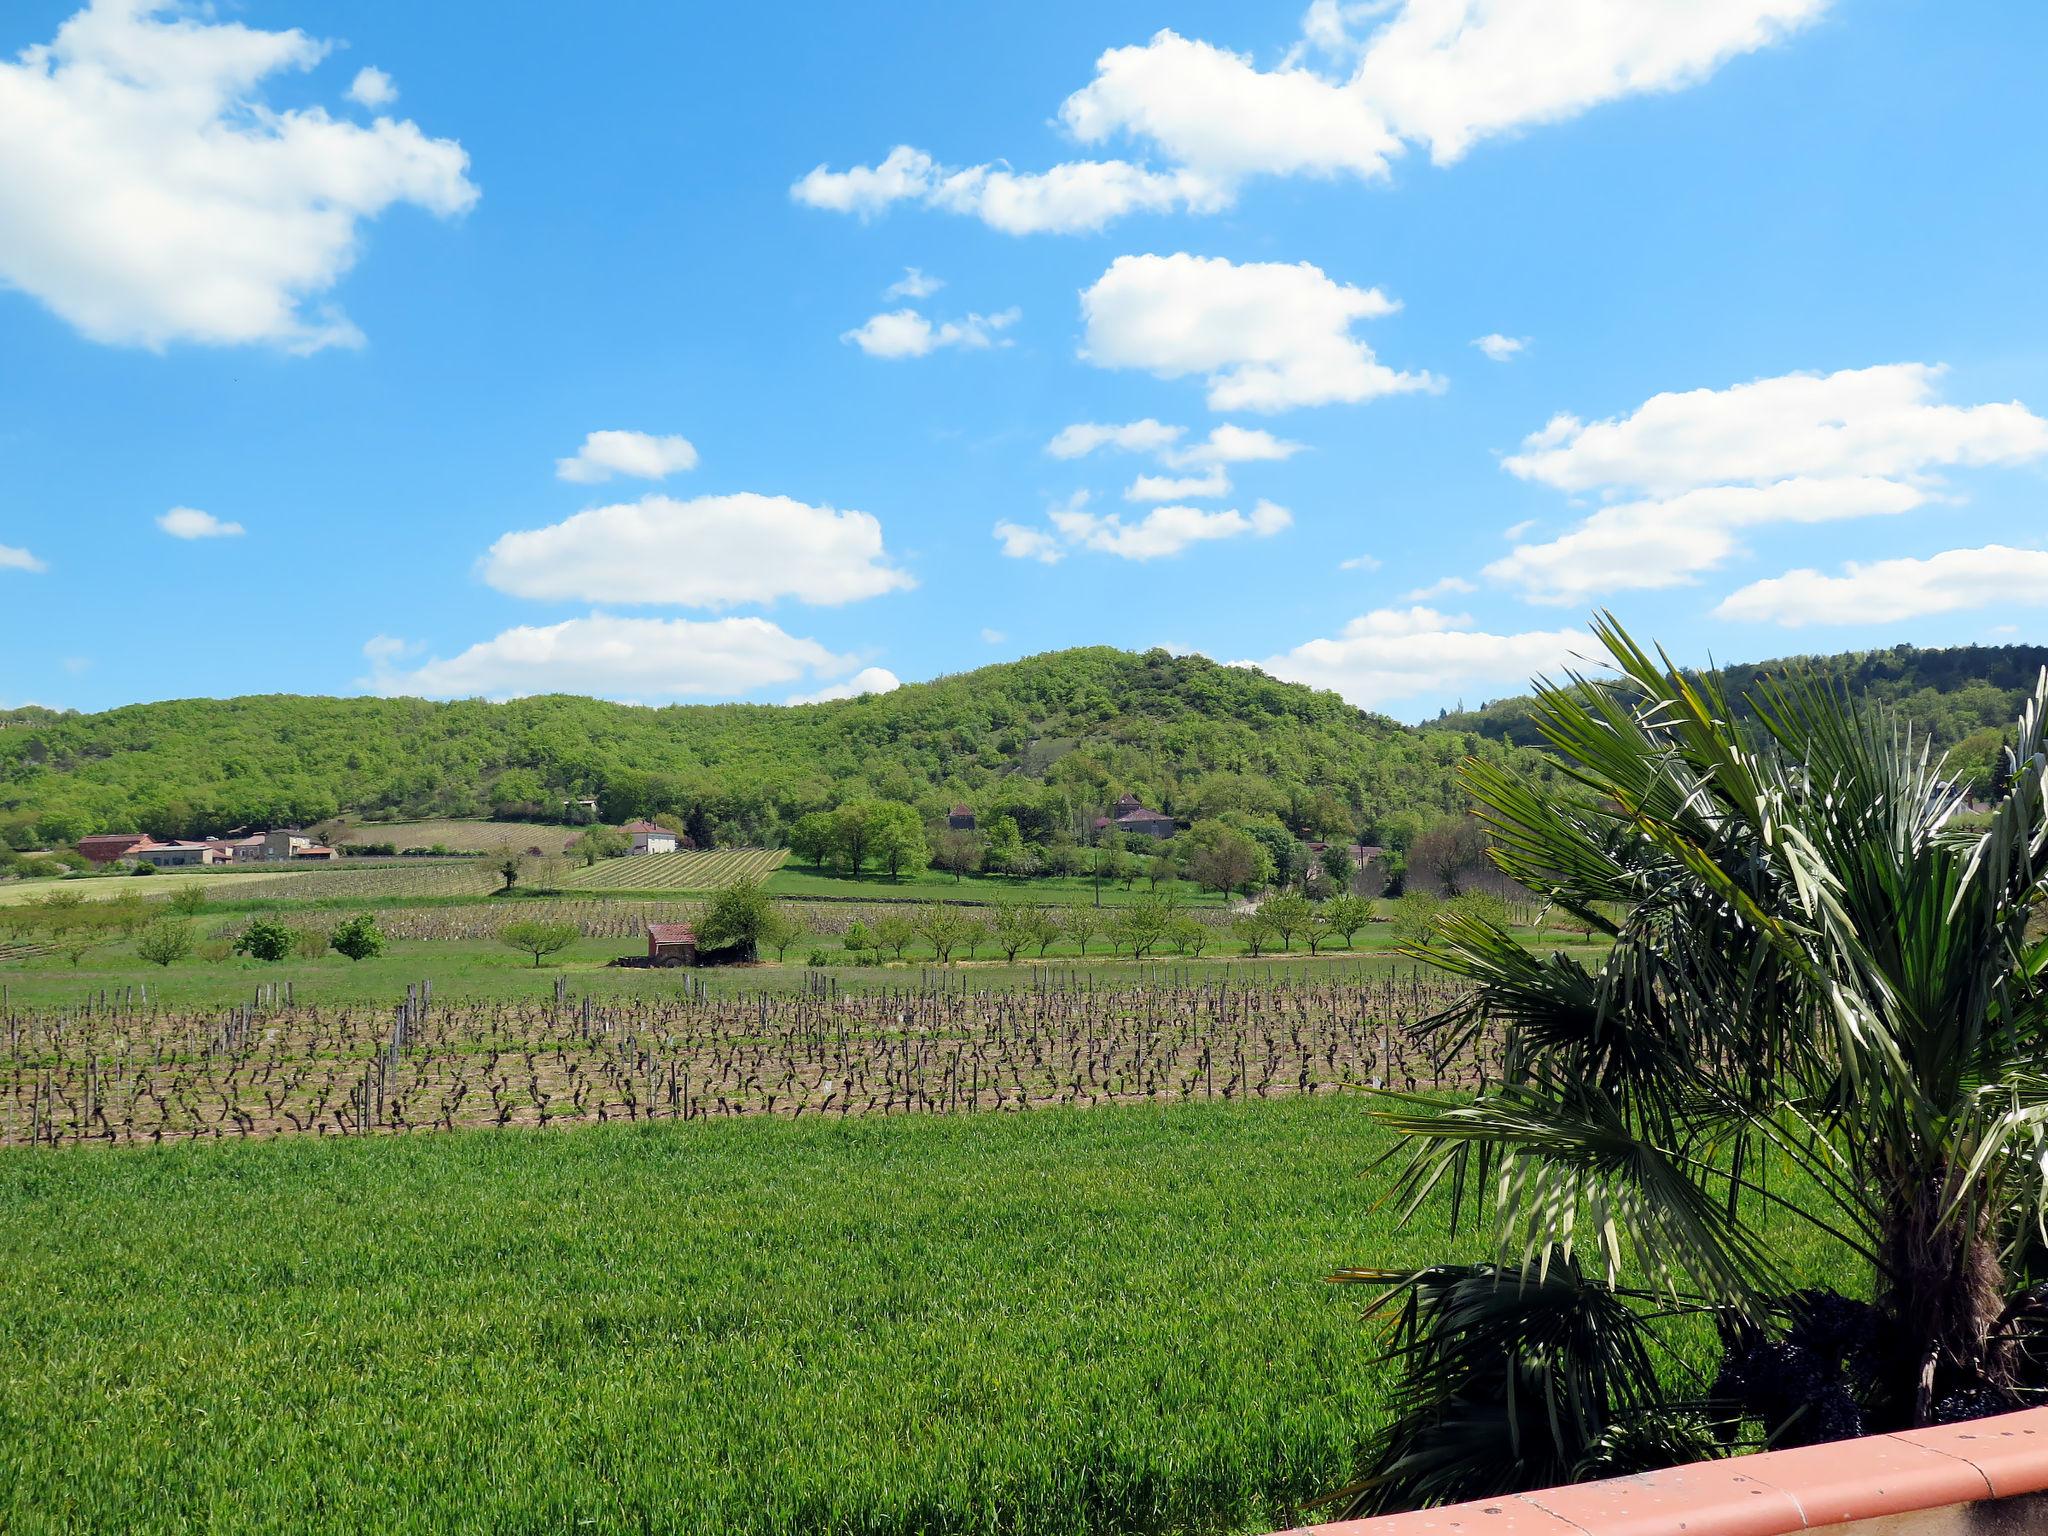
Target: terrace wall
x=1985, y=1478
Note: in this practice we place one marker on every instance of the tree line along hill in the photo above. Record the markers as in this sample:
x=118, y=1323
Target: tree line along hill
x=1051, y=739
x=1964, y=698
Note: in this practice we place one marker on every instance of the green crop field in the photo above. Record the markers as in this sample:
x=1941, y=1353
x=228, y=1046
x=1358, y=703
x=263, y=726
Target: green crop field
x=1054, y=1322
x=707, y=869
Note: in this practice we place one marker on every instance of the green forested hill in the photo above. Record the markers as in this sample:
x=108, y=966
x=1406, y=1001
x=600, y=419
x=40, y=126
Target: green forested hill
x=1965, y=696
x=1078, y=727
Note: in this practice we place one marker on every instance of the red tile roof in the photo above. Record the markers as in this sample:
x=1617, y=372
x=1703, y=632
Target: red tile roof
x=644, y=826
x=671, y=933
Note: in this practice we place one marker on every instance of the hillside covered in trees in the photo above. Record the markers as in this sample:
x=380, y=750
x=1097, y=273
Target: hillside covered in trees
x=1063, y=733
x=1965, y=697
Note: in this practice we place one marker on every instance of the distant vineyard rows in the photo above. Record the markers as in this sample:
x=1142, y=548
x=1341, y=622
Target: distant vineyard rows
x=708, y=869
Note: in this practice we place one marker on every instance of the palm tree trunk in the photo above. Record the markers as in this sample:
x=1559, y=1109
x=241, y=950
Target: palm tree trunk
x=1944, y=1290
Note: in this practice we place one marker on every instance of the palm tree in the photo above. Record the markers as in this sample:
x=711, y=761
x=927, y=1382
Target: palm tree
x=1818, y=981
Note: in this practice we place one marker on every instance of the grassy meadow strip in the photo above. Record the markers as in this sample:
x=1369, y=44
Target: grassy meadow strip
x=1019, y=1323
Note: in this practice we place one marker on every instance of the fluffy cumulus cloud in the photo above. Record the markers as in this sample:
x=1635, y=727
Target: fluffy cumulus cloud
x=139, y=116
x=1699, y=467
x=905, y=333
x=1073, y=198
x=866, y=680
x=1212, y=482
x=372, y=88
x=191, y=523
x=1499, y=348
x=640, y=455
x=914, y=284
x=636, y=660
x=1883, y=591
x=14, y=558
x=1444, y=74
x=708, y=552
x=1395, y=653
x=1266, y=336
x=1161, y=532
x=1228, y=443
x=1084, y=437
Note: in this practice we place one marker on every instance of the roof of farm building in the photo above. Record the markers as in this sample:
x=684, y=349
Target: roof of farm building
x=672, y=933
x=644, y=826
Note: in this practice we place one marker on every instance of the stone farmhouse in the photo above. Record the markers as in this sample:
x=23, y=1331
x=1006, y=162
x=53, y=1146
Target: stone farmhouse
x=1134, y=818
x=280, y=845
x=649, y=838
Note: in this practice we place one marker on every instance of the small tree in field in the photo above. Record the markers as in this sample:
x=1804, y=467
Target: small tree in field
x=508, y=870
x=1288, y=915
x=778, y=931
x=1254, y=931
x=266, y=939
x=357, y=937
x=857, y=940
x=164, y=942
x=189, y=900
x=1041, y=928
x=941, y=927
x=1347, y=914
x=895, y=932
x=1081, y=924
x=538, y=939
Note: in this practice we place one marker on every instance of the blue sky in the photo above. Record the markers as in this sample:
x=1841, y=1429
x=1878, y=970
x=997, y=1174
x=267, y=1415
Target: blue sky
x=300, y=365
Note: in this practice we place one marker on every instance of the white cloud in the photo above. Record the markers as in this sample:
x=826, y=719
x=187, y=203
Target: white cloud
x=639, y=454
x=1446, y=73
x=1499, y=348
x=1266, y=335
x=914, y=284
x=1164, y=530
x=639, y=660
x=191, y=523
x=993, y=637
x=1084, y=437
x=1072, y=198
x=15, y=558
x=867, y=680
x=141, y=117
x=1448, y=586
x=1669, y=542
x=1212, y=111
x=1214, y=482
x=1360, y=563
x=1801, y=448
x=1860, y=421
x=906, y=333
x=1887, y=590
x=1449, y=73
x=708, y=552
x=1391, y=654
x=1523, y=529
x=1022, y=543
x=381, y=651
x=1231, y=444
x=372, y=88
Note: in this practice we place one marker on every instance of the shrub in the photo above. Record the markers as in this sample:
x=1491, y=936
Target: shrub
x=538, y=939
x=164, y=942
x=143, y=868
x=266, y=939
x=188, y=900
x=357, y=937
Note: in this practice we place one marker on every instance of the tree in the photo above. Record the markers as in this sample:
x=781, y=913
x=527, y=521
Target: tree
x=164, y=942
x=1317, y=931
x=735, y=917
x=941, y=927
x=1254, y=930
x=601, y=842
x=1346, y=915
x=1818, y=981
x=958, y=852
x=814, y=839
x=1081, y=924
x=1288, y=914
x=1188, y=934
x=1223, y=859
x=1010, y=926
x=1041, y=927
x=896, y=833
x=1451, y=853
x=1005, y=846
x=265, y=939
x=972, y=932
x=357, y=937
x=1141, y=925
x=895, y=931
x=853, y=826
x=508, y=870
x=858, y=939
x=188, y=900
x=1160, y=867
x=1336, y=861
x=539, y=939
x=1415, y=918
x=778, y=930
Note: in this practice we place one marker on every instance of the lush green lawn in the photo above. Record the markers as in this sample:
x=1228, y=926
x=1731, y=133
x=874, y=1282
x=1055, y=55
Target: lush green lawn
x=1102, y=1321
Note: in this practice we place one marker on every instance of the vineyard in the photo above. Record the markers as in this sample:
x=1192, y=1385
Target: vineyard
x=375, y=882
x=499, y=837
x=123, y=1073
x=707, y=869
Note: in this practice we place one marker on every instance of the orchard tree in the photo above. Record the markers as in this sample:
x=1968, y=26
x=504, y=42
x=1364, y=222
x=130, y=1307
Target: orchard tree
x=538, y=939
x=164, y=942
x=357, y=937
x=896, y=834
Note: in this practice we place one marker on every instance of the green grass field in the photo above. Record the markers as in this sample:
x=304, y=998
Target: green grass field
x=1060, y=1322
x=498, y=837
x=798, y=881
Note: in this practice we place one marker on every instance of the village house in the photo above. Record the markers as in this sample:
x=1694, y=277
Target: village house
x=671, y=944
x=960, y=819
x=106, y=847
x=649, y=838
x=172, y=855
x=1134, y=818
